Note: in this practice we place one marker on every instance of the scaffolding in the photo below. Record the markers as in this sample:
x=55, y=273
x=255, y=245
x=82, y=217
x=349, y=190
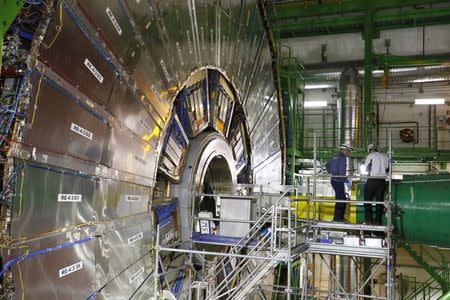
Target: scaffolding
x=240, y=270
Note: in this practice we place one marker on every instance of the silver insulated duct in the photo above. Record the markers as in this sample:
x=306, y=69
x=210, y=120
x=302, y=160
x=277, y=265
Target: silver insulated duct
x=350, y=107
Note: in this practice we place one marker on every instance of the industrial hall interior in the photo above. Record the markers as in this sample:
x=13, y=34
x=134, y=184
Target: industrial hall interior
x=225, y=149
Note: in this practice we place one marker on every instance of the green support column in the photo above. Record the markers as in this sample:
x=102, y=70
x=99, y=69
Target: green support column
x=367, y=106
x=366, y=269
x=8, y=11
x=368, y=55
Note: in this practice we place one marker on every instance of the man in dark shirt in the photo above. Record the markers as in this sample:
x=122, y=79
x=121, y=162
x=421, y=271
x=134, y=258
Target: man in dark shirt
x=338, y=166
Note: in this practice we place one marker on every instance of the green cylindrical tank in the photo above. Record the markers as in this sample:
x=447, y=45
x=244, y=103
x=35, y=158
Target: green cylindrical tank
x=422, y=213
x=423, y=204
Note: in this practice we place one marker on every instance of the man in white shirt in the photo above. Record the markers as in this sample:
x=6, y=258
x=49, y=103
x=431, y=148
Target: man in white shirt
x=377, y=164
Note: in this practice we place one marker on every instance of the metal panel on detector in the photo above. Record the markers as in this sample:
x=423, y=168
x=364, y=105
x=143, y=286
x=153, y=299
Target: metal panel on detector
x=150, y=82
x=128, y=281
x=112, y=23
x=51, y=199
x=82, y=66
x=74, y=130
x=130, y=111
x=116, y=199
x=64, y=274
x=129, y=153
x=120, y=248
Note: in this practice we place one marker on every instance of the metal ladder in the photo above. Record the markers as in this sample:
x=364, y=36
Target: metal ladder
x=264, y=253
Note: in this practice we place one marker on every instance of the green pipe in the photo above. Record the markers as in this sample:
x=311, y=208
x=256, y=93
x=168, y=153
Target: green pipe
x=423, y=206
x=293, y=9
x=356, y=23
x=368, y=67
x=367, y=274
x=399, y=61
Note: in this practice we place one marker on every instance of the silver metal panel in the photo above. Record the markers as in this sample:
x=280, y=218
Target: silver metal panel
x=129, y=153
x=151, y=84
x=112, y=23
x=119, y=249
x=124, y=285
x=77, y=64
x=238, y=209
x=131, y=112
x=48, y=199
x=178, y=25
x=43, y=156
x=116, y=199
x=74, y=130
x=41, y=276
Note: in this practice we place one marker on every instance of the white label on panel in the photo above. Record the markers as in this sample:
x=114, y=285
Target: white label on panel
x=188, y=34
x=136, y=275
x=69, y=197
x=135, y=238
x=145, y=125
x=202, y=33
x=180, y=56
x=81, y=131
x=133, y=198
x=140, y=160
x=93, y=70
x=155, y=91
x=113, y=21
x=137, y=1
x=166, y=73
x=70, y=269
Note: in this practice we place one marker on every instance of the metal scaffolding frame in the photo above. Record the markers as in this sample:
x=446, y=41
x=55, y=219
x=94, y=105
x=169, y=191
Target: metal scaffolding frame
x=384, y=256
x=253, y=256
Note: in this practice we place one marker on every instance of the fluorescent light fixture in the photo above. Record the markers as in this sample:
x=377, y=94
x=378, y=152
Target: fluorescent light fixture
x=399, y=70
x=315, y=103
x=429, y=79
x=317, y=86
x=430, y=101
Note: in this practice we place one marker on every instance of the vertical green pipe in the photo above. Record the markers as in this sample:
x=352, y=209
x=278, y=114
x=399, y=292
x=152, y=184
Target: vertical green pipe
x=291, y=116
x=301, y=127
x=9, y=10
x=366, y=270
x=435, y=130
x=368, y=55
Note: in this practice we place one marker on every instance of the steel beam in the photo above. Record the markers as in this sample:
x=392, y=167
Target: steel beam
x=337, y=24
x=298, y=9
x=399, y=61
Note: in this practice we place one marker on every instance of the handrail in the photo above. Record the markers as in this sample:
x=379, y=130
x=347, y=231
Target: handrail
x=242, y=242
x=240, y=266
x=271, y=213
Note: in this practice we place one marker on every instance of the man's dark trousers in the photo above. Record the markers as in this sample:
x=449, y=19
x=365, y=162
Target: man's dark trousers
x=374, y=188
x=339, y=208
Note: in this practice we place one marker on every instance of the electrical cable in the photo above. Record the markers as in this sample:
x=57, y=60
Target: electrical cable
x=34, y=2
x=58, y=28
x=36, y=101
x=26, y=256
